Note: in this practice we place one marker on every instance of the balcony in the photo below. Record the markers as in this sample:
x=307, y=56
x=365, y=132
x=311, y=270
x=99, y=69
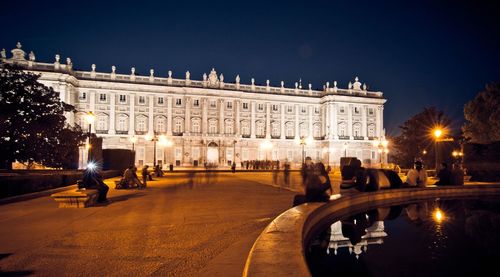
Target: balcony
x=290, y=137
x=371, y=138
x=140, y=132
x=245, y=136
x=344, y=137
x=121, y=132
x=275, y=137
x=177, y=134
x=101, y=131
x=260, y=136
x=359, y=138
x=319, y=138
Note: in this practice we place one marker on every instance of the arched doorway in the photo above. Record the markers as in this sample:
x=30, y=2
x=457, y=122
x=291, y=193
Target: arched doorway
x=213, y=153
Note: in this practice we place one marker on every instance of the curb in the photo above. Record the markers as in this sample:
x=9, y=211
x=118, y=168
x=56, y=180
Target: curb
x=34, y=195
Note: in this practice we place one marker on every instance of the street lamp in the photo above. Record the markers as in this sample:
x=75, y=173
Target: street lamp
x=90, y=118
x=162, y=140
x=381, y=144
x=234, y=151
x=302, y=141
x=133, y=140
x=437, y=132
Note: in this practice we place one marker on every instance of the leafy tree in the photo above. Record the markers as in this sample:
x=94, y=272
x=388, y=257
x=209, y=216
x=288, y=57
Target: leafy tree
x=32, y=122
x=416, y=137
x=483, y=116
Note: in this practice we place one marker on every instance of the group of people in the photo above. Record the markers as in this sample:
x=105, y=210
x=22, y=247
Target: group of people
x=130, y=178
x=417, y=176
x=316, y=181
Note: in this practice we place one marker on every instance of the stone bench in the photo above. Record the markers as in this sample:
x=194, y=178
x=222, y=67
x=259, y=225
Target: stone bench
x=79, y=198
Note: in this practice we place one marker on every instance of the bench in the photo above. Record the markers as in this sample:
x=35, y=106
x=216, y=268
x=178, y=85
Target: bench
x=78, y=198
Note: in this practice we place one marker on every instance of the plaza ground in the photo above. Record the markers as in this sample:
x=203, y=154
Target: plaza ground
x=178, y=226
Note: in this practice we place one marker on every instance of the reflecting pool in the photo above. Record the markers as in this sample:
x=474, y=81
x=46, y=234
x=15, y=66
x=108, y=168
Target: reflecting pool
x=458, y=237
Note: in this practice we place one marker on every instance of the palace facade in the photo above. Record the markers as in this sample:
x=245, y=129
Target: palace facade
x=212, y=120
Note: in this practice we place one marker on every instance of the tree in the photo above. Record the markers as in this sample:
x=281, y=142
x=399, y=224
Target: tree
x=32, y=121
x=416, y=137
x=483, y=116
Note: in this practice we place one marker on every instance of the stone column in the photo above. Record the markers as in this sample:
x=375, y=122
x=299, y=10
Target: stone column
x=237, y=118
x=252, y=118
x=151, y=116
x=334, y=121
x=92, y=108
x=363, y=122
x=311, y=133
x=221, y=117
x=381, y=121
x=326, y=119
x=187, y=116
x=349, y=121
x=204, y=115
x=169, y=116
x=268, y=120
x=131, y=115
x=378, y=123
x=297, y=130
x=112, y=111
x=282, y=121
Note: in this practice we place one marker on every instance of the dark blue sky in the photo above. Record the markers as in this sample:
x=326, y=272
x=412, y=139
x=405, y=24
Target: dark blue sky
x=419, y=53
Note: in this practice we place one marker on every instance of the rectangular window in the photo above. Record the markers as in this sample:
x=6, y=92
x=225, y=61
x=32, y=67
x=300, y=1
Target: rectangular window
x=370, y=111
x=275, y=108
x=102, y=97
x=178, y=102
x=289, y=109
x=160, y=100
x=245, y=106
x=356, y=110
x=303, y=109
x=213, y=104
x=142, y=99
x=342, y=110
x=316, y=110
x=229, y=105
x=196, y=103
x=82, y=96
x=260, y=107
x=123, y=98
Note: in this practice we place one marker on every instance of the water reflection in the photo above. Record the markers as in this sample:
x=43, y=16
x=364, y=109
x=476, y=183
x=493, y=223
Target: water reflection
x=425, y=238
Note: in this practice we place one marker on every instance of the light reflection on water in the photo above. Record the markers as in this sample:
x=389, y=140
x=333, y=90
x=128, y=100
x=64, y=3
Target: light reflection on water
x=458, y=237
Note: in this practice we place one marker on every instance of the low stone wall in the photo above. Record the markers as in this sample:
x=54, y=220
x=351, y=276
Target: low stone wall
x=279, y=250
x=22, y=182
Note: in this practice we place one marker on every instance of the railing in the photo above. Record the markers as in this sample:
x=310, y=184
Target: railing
x=290, y=137
x=344, y=137
x=359, y=138
x=140, y=132
x=245, y=136
x=121, y=132
x=101, y=131
x=177, y=134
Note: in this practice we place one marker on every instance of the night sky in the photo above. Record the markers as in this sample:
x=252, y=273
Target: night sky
x=419, y=53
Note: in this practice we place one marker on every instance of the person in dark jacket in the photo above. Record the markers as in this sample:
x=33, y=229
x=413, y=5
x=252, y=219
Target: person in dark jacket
x=444, y=176
x=93, y=180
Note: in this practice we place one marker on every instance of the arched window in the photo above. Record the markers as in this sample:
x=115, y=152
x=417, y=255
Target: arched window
x=289, y=129
x=195, y=125
x=141, y=123
x=303, y=129
x=342, y=129
x=260, y=129
x=122, y=122
x=160, y=124
x=316, y=130
x=212, y=126
x=371, y=130
x=228, y=126
x=80, y=121
x=178, y=125
x=245, y=128
x=102, y=122
x=356, y=129
x=275, y=129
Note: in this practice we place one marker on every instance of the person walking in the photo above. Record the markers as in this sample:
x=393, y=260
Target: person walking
x=145, y=176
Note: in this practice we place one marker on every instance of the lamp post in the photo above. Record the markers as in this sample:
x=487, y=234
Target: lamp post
x=234, y=151
x=133, y=140
x=162, y=140
x=90, y=118
x=437, y=134
x=302, y=142
x=381, y=144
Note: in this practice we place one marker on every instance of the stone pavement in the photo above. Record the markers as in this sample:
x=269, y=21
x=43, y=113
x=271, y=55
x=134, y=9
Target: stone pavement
x=178, y=226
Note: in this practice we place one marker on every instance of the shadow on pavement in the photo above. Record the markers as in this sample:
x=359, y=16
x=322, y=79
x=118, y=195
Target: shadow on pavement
x=118, y=199
x=13, y=273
